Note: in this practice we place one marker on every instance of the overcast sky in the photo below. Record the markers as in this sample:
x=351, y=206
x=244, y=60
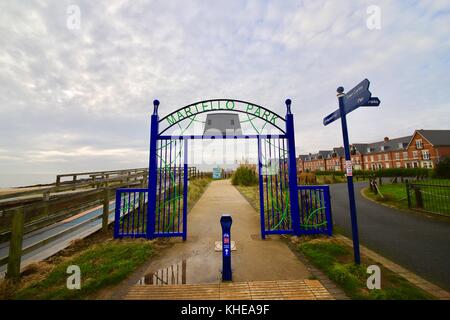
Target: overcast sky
x=80, y=99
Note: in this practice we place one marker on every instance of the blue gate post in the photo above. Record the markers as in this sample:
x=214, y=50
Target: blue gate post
x=261, y=192
x=327, y=201
x=351, y=191
x=292, y=167
x=117, y=214
x=152, y=172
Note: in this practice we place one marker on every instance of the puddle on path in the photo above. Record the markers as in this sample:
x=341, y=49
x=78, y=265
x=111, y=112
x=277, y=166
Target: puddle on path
x=174, y=274
x=186, y=271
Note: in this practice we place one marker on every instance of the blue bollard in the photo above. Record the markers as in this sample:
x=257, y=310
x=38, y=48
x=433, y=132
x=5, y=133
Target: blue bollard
x=225, y=222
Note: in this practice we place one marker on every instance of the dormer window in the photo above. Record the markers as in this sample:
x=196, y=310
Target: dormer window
x=400, y=145
x=419, y=144
x=368, y=150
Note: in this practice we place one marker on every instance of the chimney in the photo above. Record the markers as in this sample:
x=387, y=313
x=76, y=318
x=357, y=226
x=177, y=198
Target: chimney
x=386, y=139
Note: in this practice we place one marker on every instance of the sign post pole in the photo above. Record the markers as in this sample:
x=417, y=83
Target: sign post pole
x=349, y=173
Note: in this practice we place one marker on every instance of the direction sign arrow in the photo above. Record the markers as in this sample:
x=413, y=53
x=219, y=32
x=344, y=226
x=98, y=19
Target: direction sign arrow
x=372, y=102
x=358, y=96
x=331, y=117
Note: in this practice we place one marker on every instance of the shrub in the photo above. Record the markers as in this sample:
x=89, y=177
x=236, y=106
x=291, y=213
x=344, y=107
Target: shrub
x=442, y=169
x=244, y=176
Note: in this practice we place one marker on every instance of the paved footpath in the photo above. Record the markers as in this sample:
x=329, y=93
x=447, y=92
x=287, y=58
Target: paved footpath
x=254, y=259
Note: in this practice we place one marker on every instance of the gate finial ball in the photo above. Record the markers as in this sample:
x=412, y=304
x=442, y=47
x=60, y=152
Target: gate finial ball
x=288, y=105
x=155, y=106
x=340, y=90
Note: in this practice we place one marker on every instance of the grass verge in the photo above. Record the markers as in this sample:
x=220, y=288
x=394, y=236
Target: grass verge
x=251, y=194
x=335, y=259
x=196, y=189
x=393, y=195
x=103, y=263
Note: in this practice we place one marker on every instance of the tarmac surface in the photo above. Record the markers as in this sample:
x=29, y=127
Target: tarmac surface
x=416, y=241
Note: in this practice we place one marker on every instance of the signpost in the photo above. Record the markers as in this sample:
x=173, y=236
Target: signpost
x=359, y=96
x=217, y=173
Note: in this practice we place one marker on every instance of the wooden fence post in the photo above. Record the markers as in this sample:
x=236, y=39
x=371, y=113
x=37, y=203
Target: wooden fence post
x=418, y=195
x=105, y=214
x=74, y=181
x=408, y=195
x=15, y=246
x=45, y=199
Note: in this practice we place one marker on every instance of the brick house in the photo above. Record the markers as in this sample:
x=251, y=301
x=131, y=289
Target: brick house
x=427, y=147
x=334, y=160
x=423, y=149
x=386, y=154
x=316, y=162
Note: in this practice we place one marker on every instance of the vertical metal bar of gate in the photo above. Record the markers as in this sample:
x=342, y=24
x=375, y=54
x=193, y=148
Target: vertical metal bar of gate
x=185, y=189
x=261, y=191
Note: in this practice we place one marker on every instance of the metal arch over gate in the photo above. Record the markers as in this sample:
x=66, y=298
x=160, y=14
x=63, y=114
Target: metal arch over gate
x=161, y=209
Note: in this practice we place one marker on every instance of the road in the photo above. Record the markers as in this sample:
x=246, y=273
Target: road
x=412, y=240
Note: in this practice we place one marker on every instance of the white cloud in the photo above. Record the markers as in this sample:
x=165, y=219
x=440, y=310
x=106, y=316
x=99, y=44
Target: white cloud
x=73, y=99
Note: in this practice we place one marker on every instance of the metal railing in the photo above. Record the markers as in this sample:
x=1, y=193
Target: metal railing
x=131, y=213
x=315, y=210
x=433, y=196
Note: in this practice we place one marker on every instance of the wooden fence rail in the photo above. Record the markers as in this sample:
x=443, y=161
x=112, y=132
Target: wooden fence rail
x=54, y=204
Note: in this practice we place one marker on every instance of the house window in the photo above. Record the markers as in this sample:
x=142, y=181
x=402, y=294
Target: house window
x=398, y=165
x=419, y=144
x=379, y=157
x=386, y=157
x=405, y=155
x=415, y=154
x=387, y=165
x=397, y=156
x=209, y=122
x=426, y=155
x=371, y=158
x=232, y=122
x=415, y=164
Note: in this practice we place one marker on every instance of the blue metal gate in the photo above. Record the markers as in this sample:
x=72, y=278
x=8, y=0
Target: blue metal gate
x=274, y=185
x=315, y=210
x=131, y=213
x=161, y=209
x=172, y=188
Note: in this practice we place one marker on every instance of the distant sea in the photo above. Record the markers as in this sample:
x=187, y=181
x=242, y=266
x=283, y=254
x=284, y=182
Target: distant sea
x=8, y=180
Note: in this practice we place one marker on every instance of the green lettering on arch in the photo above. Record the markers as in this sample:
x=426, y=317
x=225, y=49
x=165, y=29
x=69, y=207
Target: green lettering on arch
x=180, y=116
x=213, y=105
x=274, y=118
x=171, y=119
x=228, y=106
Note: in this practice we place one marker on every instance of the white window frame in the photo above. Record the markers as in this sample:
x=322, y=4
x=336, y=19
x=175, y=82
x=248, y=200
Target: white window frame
x=426, y=152
x=419, y=144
